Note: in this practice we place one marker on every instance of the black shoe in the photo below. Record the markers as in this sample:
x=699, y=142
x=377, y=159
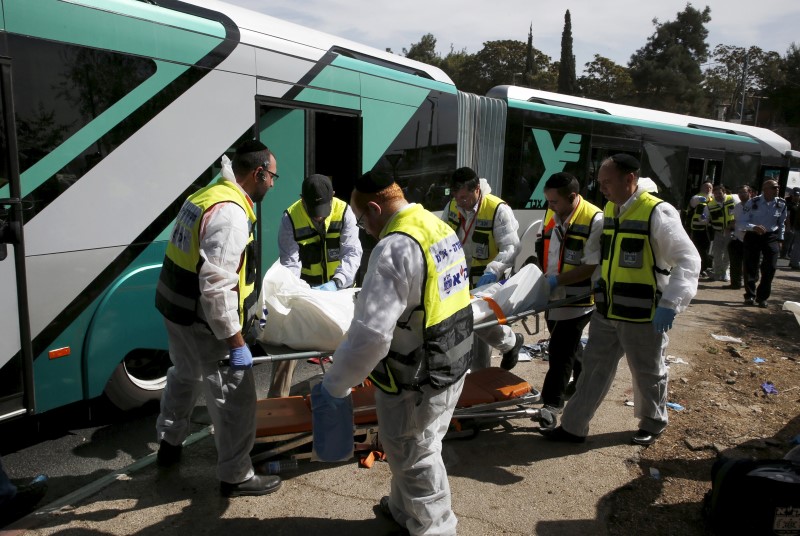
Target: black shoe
x=511, y=357
x=733, y=287
x=643, y=437
x=256, y=485
x=548, y=419
x=168, y=454
x=763, y=304
x=383, y=508
x=23, y=502
x=749, y=301
x=559, y=434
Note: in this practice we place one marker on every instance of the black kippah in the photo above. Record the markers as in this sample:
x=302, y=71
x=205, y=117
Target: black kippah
x=250, y=146
x=373, y=181
x=625, y=162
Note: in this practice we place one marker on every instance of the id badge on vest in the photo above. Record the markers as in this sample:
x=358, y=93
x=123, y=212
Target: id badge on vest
x=631, y=253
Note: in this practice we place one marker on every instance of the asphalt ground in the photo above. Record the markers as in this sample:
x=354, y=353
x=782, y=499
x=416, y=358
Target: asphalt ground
x=508, y=479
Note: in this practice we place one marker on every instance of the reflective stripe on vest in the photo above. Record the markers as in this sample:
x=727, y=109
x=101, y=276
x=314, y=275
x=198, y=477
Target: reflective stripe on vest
x=178, y=286
x=572, y=247
x=627, y=288
x=484, y=247
x=318, y=258
x=444, y=317
x=721, y=215
x=697, y=216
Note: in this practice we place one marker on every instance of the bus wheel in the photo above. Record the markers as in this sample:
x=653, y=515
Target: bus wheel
x=140, y=377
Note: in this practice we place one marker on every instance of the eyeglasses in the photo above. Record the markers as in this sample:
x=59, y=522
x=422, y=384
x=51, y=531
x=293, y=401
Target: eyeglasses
x=265, y=167
x=359, y=223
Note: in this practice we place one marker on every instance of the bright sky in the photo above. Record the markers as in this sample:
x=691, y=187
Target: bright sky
x=612, y=28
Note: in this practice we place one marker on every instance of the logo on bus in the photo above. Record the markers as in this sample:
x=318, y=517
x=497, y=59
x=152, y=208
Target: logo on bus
x=554, y=159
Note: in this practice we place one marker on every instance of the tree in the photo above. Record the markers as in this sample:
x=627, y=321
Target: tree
x=455, y=66
x=666, y=71
x=738, y=73
x=786, y=96
x=606, y=80
x=566, y=67
x=495, y=64
x=529, y=71
x=424, y=51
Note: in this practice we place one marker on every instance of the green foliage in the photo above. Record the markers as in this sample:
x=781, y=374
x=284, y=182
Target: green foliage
x=424, y=51
x=666, y=71
x=566, y=68
x=605, y=80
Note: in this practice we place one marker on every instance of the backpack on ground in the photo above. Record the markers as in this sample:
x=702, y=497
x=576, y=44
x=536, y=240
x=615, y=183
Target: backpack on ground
x=754, y=497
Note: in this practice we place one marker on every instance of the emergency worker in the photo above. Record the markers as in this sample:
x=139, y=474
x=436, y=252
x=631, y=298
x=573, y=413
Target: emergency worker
x=318, y=242
x=720, y=214
x=412, y=334
x=764, y=220
x=487, y=228
x=697, y=214
x=570, y=252
x=649, y=272
x=207, y=293
x=736, y=243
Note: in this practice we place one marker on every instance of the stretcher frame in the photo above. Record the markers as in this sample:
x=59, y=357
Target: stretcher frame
x=286, y=421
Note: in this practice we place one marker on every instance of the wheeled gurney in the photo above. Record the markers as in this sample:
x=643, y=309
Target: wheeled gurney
x=489, y=396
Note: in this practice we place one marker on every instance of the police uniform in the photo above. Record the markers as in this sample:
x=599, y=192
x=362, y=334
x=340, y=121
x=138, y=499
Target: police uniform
x=412, y=334
x=648, y=261
x=762, y=250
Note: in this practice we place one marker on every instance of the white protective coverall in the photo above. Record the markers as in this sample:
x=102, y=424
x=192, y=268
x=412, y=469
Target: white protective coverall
x=505, y=235
x=195, y=350
x=412, y=423
x=643, y=347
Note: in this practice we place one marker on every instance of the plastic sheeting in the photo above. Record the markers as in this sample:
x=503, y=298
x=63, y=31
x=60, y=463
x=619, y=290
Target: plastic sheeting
x=306, y=319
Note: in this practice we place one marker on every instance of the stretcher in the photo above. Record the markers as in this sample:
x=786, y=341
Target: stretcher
x=490, y=396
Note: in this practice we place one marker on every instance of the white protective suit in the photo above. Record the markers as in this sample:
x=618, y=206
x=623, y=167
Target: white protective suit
x=642, y=346
x=505, y=235
x=412, y=423
x=195, y=350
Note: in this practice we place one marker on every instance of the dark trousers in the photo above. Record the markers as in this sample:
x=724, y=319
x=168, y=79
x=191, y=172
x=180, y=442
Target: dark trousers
x=736, y=254
x=565, y=337
x=702, y=241
x=766, y=247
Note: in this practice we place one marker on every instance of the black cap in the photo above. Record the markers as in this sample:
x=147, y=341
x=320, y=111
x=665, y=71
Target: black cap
x=795, y=191
x=373, y=181
x=317, y=195
x=625, y=162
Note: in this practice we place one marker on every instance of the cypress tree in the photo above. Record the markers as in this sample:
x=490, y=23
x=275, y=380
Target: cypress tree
x=566, y=67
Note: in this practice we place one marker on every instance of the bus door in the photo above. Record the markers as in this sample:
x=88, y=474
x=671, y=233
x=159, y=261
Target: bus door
x=705, y=165
x=16, y=355
x=306, y=140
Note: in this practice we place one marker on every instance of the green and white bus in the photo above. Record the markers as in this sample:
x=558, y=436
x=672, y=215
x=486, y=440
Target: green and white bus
x=113, y=111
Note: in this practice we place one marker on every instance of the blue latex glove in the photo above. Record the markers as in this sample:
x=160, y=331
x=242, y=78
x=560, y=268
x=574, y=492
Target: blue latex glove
x=552, y=280
x=487, y=279
x=332, y=425
x=662, y=321
x=330, y=286
x=241, y=358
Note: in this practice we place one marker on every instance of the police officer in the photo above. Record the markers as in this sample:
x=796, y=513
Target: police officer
x=207, y=293
x=764, y=220
x=318, y=242
x=412, y=334
x=648, y=274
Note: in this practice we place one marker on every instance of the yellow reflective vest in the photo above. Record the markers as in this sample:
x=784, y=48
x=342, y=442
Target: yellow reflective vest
x=178, y=286
x=572, y=245
x=721, y=214
x=697, y=215
x=484, y=248
x=445, y=314
x=627, y=288
x=319, y=256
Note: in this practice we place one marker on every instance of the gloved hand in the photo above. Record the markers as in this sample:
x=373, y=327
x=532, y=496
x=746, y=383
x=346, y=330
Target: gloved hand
x=552, y=280
x=241, y=358
x=662, y=321
x=487, y=279
x=330, y=286
x=332, y=425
